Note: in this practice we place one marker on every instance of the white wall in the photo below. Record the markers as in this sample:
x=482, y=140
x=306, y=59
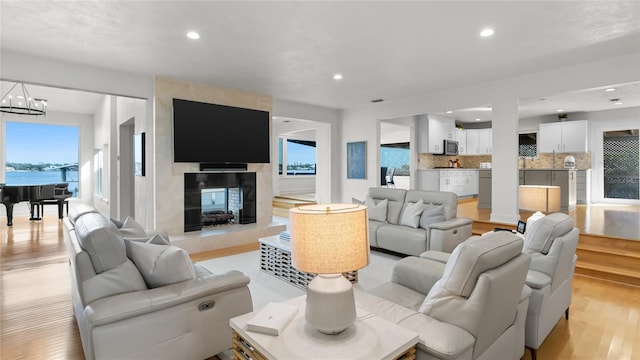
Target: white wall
x=361, y=124
x=136, y=109
x=102, y=139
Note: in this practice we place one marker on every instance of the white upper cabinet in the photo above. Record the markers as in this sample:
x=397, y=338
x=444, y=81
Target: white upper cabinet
x=432, y=131
x=460, y=135
x=479, y=141
x=473, y=137
x=485, y=141
x=569, y=136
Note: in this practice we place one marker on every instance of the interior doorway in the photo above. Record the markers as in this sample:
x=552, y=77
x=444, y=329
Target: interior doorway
x=620, y=150
x=126, y=181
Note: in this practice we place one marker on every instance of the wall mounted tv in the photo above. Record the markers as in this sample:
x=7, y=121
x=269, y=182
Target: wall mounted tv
x=211, y=133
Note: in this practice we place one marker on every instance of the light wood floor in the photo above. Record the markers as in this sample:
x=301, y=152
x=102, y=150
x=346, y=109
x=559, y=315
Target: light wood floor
x=37, y=319
x=622, y=221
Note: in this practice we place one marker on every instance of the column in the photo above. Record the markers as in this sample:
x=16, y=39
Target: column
x=504, y=186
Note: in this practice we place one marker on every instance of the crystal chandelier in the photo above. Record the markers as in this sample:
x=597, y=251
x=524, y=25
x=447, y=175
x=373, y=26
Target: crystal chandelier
x=21, y=103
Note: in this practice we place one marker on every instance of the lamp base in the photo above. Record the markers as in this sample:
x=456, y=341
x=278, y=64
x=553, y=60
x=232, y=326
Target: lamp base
x=331, y=307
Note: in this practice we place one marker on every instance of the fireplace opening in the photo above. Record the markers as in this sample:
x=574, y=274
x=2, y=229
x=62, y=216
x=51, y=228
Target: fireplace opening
x=219, y=198
x=219, y=206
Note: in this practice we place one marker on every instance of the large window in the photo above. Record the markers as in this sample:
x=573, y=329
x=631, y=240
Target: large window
x=42, y=154
x=298, y=155
x=396, y=156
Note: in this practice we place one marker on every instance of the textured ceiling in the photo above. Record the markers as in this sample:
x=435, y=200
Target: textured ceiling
x=290, y=50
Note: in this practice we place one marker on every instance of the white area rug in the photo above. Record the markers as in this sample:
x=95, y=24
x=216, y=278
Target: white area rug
x=266, y=288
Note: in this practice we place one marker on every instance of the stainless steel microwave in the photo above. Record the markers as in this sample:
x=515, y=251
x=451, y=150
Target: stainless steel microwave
x=450, y=147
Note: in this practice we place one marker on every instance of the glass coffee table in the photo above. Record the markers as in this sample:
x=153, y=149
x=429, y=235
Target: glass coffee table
x=370, y=337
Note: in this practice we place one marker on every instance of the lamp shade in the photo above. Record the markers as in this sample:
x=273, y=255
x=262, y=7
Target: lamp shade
x=329, y=238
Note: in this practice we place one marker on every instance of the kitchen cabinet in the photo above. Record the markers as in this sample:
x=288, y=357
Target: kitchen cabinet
x=568, y=136
x=479, y=141
x=485, y=141
x=583, y=186
x=460, y=135
x=473, y=136
x=565, y=179
x=463, y=182
x=484, y=189
x=432, y=131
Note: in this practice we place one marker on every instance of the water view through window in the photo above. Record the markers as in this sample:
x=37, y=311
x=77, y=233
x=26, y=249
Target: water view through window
x=42, y=154
x=299, y=155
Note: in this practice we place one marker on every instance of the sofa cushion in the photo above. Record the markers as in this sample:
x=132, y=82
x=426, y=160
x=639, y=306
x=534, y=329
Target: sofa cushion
x=100, y=238
x=431, y=214
x=448, y=200
x=402, y=239
x=396, y=198
x=160, y=265
x=475, y=256
x=377, y=210
x=132, y=229
x=540, y=236
x=122, y=279
x=411, y=214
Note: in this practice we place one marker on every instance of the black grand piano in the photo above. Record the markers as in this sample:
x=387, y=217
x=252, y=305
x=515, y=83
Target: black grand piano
x=37, y=196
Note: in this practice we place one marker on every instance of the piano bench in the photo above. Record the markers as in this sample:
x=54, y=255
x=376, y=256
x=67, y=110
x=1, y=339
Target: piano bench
x=59, y=203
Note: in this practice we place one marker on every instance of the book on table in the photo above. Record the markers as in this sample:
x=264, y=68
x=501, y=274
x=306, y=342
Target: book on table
x=272, y=319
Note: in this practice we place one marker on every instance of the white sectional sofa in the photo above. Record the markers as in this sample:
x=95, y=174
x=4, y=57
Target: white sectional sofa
x=437, y=227
x=157, y=306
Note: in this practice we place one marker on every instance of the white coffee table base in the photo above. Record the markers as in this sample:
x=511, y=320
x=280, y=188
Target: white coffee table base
x=275, y=259
x=370, y=337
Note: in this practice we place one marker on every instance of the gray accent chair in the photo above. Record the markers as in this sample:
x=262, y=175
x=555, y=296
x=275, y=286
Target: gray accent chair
x=391, y=235
x=551, y=242
x=472, y=307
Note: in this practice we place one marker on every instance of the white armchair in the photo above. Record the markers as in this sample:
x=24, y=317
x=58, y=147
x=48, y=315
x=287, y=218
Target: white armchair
x=551, y=241
x=472, y=307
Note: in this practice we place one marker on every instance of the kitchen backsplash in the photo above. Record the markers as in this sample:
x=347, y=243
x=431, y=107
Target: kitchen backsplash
x=543, y=161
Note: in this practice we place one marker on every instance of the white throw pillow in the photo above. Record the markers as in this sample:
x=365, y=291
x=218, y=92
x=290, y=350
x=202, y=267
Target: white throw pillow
x=160, y=265
x=131, y=229
x=377, y=212
x=431, y=214
x=411, y=214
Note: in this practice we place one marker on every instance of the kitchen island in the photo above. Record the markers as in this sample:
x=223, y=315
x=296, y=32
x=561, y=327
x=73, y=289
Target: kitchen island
x=564, y=178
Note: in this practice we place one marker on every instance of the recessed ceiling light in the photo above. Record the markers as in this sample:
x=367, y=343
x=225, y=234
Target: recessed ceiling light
x=337, y=77
x=610, y=89
x=617, y=103
x=560, y=110
x=486, y=32
x=274, y=117
x=477, y=119
x=193, y=35
x=449, y=112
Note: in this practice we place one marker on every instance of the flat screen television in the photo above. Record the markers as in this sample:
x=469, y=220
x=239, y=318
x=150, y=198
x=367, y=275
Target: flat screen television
x=211, y=133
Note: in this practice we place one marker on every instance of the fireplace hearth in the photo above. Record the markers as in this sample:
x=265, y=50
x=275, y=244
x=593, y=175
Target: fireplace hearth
x=219, y=198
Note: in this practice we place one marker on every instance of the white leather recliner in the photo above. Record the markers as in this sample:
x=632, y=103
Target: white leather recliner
x=551, y=242
x=121, y=310
x=472, y=307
